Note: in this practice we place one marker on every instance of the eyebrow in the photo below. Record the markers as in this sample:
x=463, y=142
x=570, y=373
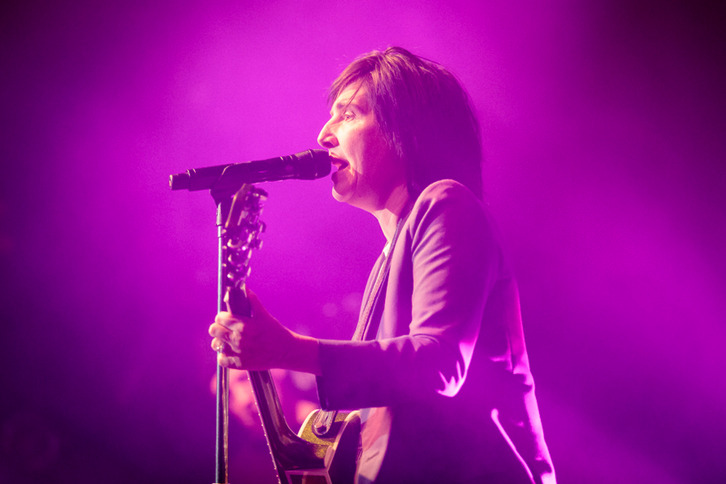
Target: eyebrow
x=344, y=103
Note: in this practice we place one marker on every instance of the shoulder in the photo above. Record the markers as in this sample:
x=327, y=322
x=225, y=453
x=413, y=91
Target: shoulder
x=446, y=189
x=448, y=212
x=452, y=200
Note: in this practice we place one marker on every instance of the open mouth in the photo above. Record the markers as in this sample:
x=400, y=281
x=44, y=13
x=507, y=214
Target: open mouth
x=338, y=163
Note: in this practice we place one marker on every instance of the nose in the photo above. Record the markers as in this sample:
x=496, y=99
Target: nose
x=327, y=138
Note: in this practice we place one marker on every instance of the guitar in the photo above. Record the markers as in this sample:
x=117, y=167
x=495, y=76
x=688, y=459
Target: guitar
x=325, y=450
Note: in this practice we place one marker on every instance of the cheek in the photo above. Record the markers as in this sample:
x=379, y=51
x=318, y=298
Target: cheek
x=372, y=149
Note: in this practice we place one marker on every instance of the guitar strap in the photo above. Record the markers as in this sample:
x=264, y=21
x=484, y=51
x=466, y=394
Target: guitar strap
x=369, y=297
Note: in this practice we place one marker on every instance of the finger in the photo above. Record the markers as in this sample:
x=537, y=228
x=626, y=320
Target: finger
x=229, y=340
x=229, y=361
x=218, y=345
x=225, y=318
x=233, y=338
x=218, y=330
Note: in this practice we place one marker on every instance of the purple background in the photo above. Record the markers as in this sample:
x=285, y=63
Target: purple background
x=604, y=140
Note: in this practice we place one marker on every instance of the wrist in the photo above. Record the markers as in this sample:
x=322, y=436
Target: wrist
x=305, y=356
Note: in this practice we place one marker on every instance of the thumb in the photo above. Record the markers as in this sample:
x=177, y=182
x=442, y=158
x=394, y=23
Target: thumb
x=255, y=304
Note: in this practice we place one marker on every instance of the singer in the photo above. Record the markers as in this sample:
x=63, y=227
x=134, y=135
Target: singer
x=437, y=363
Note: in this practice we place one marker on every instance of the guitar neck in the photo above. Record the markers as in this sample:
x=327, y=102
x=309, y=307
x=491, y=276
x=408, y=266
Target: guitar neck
x=288, y=450
x=238, y=236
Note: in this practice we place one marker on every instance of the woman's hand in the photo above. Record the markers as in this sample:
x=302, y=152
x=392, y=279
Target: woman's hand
x=261, y=342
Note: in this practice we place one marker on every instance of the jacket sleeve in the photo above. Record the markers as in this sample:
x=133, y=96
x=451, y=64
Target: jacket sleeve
x=443, y=267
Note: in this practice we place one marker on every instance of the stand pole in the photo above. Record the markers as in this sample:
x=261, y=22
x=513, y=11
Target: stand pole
x=222, y=423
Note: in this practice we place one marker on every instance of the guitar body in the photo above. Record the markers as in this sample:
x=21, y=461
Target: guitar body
x=342, y=444
x=326, y=449
x=311, y=456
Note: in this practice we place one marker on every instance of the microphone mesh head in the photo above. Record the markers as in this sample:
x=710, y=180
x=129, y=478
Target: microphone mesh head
x=313, y=164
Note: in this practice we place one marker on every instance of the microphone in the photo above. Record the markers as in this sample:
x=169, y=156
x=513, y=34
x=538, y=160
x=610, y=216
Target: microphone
x=306, y=165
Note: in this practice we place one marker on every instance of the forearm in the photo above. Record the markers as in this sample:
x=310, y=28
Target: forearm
x=303, y=355
x=379, y=373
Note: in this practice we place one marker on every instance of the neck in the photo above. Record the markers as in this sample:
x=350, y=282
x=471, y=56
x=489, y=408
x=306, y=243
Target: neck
x=395, y=206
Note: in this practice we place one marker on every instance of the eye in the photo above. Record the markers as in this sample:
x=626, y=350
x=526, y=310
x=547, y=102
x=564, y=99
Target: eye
x=348, y=115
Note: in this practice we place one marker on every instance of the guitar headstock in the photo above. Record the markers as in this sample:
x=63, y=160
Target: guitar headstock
x=240, y=235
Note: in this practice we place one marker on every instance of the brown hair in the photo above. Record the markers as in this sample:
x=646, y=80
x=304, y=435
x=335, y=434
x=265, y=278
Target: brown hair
x=424, y=113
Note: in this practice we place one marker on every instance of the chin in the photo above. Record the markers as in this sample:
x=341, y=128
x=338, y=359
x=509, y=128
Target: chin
x=342, y=190
x=340, y=197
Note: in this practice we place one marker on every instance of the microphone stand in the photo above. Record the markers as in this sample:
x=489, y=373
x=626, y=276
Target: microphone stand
x=223, y=200
x=222, y=196
x=308, y=165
